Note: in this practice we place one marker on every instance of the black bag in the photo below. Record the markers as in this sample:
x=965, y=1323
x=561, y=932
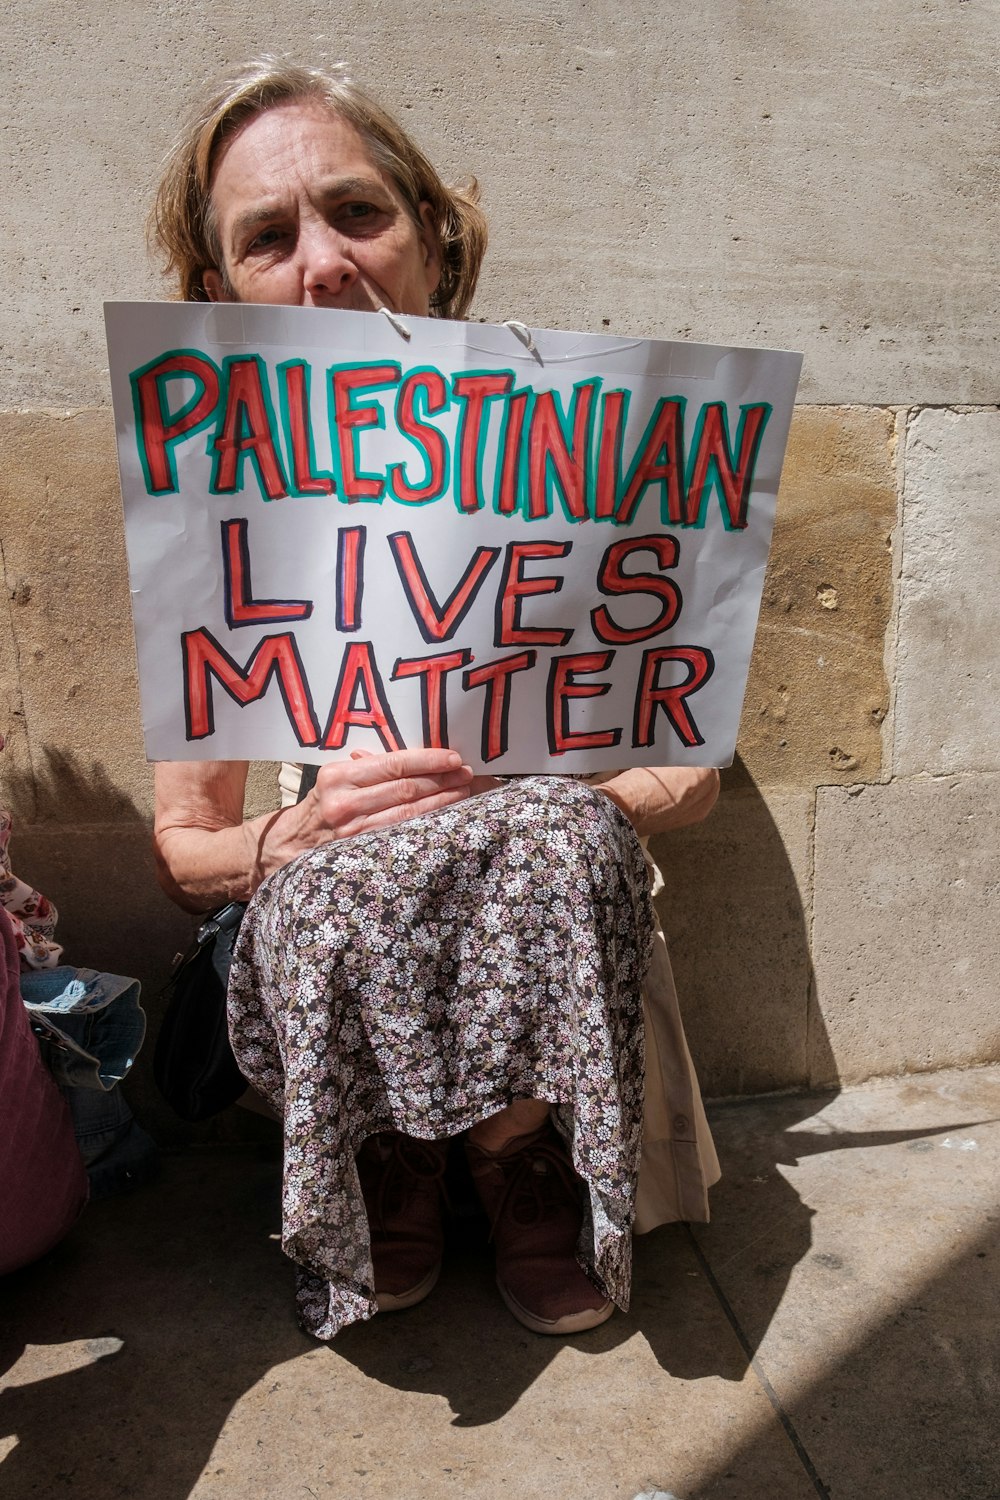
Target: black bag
x=193, y=1062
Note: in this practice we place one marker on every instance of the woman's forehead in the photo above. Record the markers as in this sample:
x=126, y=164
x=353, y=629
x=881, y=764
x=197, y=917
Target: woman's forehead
x=306, y=139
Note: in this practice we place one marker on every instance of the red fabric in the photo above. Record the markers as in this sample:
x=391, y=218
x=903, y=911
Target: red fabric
x=43, y=1184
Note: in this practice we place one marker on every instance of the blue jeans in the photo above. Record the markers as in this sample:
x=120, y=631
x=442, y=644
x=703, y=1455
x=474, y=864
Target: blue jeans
x=90, y=1027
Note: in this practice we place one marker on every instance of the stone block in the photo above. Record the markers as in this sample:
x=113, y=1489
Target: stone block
x=817, y=692
x=65, y=570
x=736, y=914
x=947, y=715
x=262, y=789
x=905, y=929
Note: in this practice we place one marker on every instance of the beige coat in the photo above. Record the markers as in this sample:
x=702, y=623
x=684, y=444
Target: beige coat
x=678, y=1163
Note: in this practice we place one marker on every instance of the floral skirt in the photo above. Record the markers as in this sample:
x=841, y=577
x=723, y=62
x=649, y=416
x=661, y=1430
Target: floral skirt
x=424, y=976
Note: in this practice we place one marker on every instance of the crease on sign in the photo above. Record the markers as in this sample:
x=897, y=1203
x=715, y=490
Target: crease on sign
x=224, y=323
x=534, y=355
x=681, y=361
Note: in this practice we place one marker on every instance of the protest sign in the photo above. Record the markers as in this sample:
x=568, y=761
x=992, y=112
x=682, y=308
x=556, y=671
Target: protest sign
x=344, y=533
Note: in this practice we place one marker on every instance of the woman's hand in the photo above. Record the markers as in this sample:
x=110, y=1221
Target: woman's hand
x=374, y=791
x=206, y=854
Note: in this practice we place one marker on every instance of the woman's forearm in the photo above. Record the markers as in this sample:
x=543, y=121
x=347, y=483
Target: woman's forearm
x=202, y=868
x=207, y=854
x=658, y=798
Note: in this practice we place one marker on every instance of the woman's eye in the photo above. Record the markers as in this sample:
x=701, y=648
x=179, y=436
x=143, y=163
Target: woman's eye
x=358, y=211
x=265, y=240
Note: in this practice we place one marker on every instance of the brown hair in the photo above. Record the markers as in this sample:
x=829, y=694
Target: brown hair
x=182, y=226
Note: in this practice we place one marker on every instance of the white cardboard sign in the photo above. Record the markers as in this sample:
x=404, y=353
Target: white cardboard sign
x=549, y=557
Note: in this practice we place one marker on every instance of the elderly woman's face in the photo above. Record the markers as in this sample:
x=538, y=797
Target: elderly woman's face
x=304, y=217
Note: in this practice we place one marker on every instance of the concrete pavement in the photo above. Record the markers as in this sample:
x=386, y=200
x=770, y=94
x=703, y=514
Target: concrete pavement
x=832, y=1332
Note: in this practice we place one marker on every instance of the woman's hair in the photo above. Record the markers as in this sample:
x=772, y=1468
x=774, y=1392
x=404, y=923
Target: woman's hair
x=182, y=224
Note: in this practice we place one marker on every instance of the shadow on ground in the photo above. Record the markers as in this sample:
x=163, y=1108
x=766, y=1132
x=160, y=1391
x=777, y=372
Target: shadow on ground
x=912, y=1408
x=134, y=1341
x=178, y=1301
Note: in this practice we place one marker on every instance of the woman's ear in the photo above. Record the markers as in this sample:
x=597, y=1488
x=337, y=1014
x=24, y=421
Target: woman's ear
x=215, y=285
x=432, y=247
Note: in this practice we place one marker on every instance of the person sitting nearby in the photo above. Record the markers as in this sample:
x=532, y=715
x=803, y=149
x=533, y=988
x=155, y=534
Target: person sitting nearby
x=43, y=1181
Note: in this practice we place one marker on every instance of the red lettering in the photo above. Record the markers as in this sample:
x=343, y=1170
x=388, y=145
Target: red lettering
x=274, y=656
x=508, y=494
x=548, y=450
x=474, y=390
x=562, y=687
x=159, y=429
x=359, y=674
x=614, y=405
x=438, y=622
x=423, y=434
x=495, y=677
x=714, y=462
x=350, y=577
x=660, y=461
x=700, y=664
x=305, y=479
x=240, y=607
x=246, y=430
x=432, y=671
x=611, y=580
x=508, y=628
x=349, y=419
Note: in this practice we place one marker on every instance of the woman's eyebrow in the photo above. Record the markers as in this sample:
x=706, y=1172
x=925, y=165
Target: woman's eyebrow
x=251, y=219
x=349, y=187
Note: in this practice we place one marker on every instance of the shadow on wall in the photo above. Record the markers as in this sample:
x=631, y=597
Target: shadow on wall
x=65, y=788
x=739, y=941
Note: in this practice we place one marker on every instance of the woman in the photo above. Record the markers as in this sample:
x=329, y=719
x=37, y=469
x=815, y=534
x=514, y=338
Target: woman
x=426, y=952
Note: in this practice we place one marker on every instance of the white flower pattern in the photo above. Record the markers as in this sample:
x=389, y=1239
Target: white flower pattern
x=420, y=979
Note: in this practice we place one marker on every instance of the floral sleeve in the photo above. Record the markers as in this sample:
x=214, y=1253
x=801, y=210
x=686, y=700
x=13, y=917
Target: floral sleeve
x=33, y=917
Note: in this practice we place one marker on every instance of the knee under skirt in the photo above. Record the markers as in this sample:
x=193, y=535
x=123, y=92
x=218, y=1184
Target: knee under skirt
x=420, y=978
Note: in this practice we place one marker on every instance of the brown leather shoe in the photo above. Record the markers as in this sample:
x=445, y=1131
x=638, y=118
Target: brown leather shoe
x=401, y=1181
x=533, y=1198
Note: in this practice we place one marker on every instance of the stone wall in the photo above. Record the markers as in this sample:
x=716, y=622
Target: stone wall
x=818, y=177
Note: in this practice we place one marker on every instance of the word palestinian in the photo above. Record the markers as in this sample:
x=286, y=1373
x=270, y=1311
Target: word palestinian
x=542, y=448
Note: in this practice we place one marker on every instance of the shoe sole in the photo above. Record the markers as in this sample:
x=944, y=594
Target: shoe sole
x=399, y=1301
x=579, y=1322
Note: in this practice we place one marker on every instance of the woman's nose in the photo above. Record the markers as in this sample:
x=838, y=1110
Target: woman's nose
x=328, y=265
